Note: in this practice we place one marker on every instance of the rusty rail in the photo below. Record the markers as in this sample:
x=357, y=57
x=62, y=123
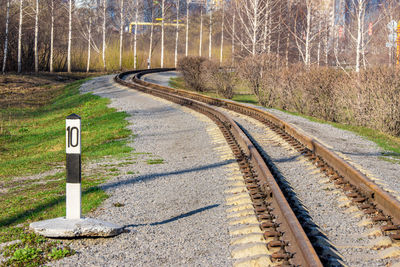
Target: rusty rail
x=296, y=242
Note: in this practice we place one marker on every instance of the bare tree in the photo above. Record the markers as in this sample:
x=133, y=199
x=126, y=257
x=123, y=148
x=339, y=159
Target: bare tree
x=36, y=36
x=210, y=31
x=201, y=31
x=135, y=35
x=21, y=3
x=233, y=37
x=69, y=36
x=121, y=33
x=51, y=34
x=162, y=31
x=89, y=41
x=6, y=37
x=187, y=28
x=104, y=34
x=251, y=17
x=222, y=34
x=177, y=33
x=151, y=36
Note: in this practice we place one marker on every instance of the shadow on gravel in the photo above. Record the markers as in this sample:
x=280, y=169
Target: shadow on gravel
x=153, y=176
x=326, y=251
x=183, y=215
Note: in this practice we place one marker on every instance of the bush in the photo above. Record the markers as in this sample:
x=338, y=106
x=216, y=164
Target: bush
x=190, y=67
x=260, y=72
x=220, y=80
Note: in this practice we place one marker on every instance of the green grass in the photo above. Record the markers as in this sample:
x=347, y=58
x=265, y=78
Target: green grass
x=36, y=145
x=154, y=161
x=245, y=98
x=239, y=96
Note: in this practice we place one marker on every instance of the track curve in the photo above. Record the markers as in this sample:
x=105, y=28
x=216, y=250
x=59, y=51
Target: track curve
x=287, y=239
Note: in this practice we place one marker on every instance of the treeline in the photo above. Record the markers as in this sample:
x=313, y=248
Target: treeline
x=93, y=34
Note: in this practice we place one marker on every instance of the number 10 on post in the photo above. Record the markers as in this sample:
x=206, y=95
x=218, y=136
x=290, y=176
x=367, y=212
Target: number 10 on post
x=73, y=165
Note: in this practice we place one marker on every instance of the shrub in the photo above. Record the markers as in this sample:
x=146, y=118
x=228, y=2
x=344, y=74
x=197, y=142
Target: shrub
x=190, y=67
x=220, y=80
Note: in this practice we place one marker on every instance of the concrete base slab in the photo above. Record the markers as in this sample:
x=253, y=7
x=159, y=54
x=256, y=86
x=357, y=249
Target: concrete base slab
x=84, y=227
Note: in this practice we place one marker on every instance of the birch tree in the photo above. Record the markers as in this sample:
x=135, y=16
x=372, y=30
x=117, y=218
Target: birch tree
x=89, y=46
x=69, y=36
x=222, y=34
x=304, y=31
x=201, y=31
x=104, y=34
x=21, y=4
x=6, y=38
x=177, y=33
x=250, y=15
x=151, y=36
x=121, y=32
x=210, y=30
x=36, y=36
x=51, y=34
x=162, y=31
x=135, y=35
x=187, y=28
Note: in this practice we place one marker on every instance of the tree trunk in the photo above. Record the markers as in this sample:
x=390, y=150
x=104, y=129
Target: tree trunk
x=269, y=32
x=89, y=38
x=52, y=35
x=177, y=34
x=359, y=33
x=135, y=37
x=6, y=38
x=36, y=36
x=222, y=35
x=162, y=33
x=187, y=28
x=326, y=43
x=121, y=33
x=319, y=43
x=104, y=34
x=21, y=3
x=201, y=31
x=255, y=27
x=308, y=31
x=233, y=38
x=210, y=35
x=69, y=36
x=150, y=47
x=266, y=26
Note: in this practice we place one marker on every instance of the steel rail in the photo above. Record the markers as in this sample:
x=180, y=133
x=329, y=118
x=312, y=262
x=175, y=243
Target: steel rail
x=297, y=243
x=367, y=188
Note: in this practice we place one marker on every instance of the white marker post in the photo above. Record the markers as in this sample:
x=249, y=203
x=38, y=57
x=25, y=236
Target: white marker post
x=73, y=225
x=73, y=151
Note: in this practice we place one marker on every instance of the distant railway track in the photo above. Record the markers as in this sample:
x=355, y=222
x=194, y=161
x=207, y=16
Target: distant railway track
x=277, y=219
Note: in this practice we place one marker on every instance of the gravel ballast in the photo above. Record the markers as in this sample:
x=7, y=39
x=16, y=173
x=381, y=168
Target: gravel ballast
x=363, y=154
x=173, y=212
x=331, y=223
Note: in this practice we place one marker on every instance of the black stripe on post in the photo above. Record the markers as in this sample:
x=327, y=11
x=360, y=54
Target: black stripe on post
x=73, y=168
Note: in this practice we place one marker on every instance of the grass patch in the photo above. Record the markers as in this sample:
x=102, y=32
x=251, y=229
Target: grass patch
x=35, y=144
x=245, y=98
x=154, y=161
x=239, y=95
x=34, y=250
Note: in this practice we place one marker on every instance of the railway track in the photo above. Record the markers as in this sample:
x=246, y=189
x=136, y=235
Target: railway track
x=287, y=241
